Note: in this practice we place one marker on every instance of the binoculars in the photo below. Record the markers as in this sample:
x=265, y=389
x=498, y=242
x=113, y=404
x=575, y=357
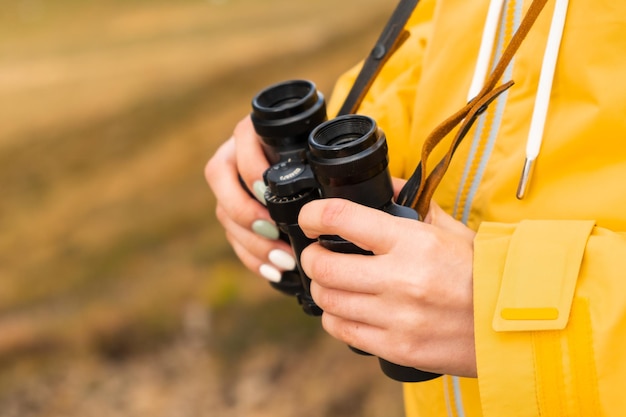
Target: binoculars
x=312, y=157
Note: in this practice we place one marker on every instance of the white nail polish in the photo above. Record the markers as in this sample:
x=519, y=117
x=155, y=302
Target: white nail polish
x=282, y=259
x=270, y=273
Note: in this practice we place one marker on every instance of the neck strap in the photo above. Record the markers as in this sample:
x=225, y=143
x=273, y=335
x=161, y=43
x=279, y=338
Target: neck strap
x=392, y=36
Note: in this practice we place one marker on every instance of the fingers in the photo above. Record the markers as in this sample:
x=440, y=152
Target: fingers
x=375, y=340
x=354, y=306
x=442, y=220
x=260, y=265
x=398, y=183
x=250, y=158
x=248, y=225
x=354, y=333
x=259, y=246
x=368, y=228
x=393, y=347
x=222, y=175
x=339, y=271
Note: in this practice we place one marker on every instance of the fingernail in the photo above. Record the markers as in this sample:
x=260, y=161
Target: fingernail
x=282, y=259
x=259, y=188
x=265, y=229
x=270, y=273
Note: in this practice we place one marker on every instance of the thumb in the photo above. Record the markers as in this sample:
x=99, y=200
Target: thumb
x=251, y=160
x=437, y=217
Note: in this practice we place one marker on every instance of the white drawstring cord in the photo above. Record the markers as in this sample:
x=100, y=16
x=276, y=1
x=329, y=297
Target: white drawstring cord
x=486, y=47
x=540, y=111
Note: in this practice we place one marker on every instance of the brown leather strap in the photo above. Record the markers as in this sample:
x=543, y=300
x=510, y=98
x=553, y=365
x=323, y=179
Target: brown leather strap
x=392, y=36
x=419, y=190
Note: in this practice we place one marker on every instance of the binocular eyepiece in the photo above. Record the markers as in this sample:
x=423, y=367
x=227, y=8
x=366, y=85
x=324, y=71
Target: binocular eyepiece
x=311, y=158
x=284, y=115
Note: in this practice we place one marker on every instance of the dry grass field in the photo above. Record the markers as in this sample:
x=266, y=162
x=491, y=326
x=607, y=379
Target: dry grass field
x=118, y=293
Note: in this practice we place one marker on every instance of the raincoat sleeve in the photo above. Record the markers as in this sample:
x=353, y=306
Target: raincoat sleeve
x=549, y=312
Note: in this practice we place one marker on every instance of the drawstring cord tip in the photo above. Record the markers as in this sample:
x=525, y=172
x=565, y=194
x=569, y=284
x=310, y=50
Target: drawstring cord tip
x=524, y=180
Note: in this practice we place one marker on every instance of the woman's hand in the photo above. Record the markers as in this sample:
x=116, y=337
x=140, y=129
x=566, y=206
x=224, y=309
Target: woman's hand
x=410, y=303
x=249, y=228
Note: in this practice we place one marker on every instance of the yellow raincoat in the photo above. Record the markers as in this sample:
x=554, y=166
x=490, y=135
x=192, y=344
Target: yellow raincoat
x=549, y=269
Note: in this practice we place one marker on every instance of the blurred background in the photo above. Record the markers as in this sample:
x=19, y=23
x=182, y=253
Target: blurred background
x=118, y=293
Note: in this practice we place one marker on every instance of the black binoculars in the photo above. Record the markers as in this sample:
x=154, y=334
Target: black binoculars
x=311, y=158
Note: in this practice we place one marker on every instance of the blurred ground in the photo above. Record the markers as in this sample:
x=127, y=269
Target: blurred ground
x=118, y=293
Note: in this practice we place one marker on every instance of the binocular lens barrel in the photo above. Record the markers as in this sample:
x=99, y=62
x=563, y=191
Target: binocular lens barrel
x=344, y=136
x=348, y=156
x=285, y=99
x=284, y=114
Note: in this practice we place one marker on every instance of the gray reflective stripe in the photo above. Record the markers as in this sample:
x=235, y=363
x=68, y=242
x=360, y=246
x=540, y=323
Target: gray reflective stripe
x=495, y=125
x=446, y=395
x=468, y=166
x=491, y=140
x=458, y=398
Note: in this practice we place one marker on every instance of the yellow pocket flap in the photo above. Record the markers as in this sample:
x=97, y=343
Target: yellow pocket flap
x=540, y=275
